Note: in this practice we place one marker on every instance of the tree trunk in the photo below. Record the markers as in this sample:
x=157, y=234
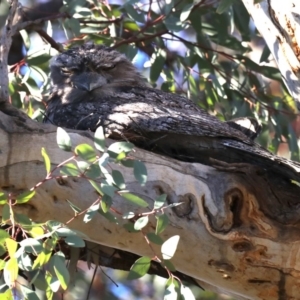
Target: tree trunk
x=278, y=24
x=239, y=230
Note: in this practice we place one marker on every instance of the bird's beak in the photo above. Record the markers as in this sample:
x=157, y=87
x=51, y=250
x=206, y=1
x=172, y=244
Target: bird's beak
x=89, y=82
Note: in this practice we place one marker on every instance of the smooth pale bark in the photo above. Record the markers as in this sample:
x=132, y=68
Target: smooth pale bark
x=225, y=240
x=278, y=23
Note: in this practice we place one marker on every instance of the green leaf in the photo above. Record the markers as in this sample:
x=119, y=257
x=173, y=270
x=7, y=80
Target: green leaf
x=99, y=139
x=6, y=294
x=130, y=50
x=93, y=172
x=121, y=156
x=69, y=169
x=73, y=27
x=130, y=215
x=2, y=250
x=36, y=231
x=109, y=216
x=128, y=163
x=267, y=71
x=103, y=161
x=265, y=54
x=28, y=293
x=5, y=213
x=75, y=241
x=139, y=268
x=42, y=259
x=130, y=227
x=52, y=282
x=96, y=186
x=3, y=236
x=140, y=172
x=169, y=247
x=134, y=199
x=11, y=246
x=82, y=165
x=158, y=61
x=154, y=238
x=173, y=23
x=25, y=197
x=25, y=38
x=133, y=14
x=22, y=220
x=224, y=5
x=60, y=270
x=141, y=223
x=160, y=201
x=241, y=20
x=74, y=207
x=162, y=223
x=91, y=213
x=168, y=264
x=186, y=11
x=106, y=203
x=63, y=140
x=186, y=293
x=39, y=73
x=108, y=189
x=64, y=232
x=33, y=89
x=2, y=264
x=118, y=179
x=39, y=55
x=118, y=147
x=83, y=13
x=46, y=160
x=86, y=152
x=31, y=245
x=172, y=291
x=24, y=261
x=11, y=271
x=3, y=198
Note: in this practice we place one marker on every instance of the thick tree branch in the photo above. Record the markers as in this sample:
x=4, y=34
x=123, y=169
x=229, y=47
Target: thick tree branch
x=279, y=26
x=230, y=237
x=5, y=43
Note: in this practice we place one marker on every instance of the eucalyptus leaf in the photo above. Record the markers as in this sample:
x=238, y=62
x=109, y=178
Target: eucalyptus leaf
x=139, y=268
x=140, y=172
x=141, y=222
x=63, y=139
x=169, y=247
x=134, y=199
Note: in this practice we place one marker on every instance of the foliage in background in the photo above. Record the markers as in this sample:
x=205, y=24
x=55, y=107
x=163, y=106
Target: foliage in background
x=196, y=48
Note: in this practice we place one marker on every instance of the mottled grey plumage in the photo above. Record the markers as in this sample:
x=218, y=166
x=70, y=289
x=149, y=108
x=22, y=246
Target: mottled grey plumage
x=95, y=85
x=249, y=126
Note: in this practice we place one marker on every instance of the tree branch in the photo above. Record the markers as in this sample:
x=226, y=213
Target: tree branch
x=279, y=26
x=230, y=225
x=5, y=43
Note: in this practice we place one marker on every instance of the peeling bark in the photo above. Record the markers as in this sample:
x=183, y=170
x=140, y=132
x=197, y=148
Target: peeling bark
x=278, y=23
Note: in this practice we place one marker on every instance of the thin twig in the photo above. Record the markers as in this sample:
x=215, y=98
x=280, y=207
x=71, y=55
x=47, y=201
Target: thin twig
x=26, y=24
x=49, y=39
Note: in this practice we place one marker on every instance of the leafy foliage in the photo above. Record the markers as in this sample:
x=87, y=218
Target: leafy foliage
x=199, y=49
x=41, y=250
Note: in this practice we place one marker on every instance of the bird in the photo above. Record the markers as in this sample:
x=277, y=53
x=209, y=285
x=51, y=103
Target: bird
x=95, y=85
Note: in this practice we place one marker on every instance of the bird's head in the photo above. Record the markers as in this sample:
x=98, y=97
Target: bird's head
x=85, y=71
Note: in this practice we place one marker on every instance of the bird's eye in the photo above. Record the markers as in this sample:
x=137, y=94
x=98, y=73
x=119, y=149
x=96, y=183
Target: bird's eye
x=107, y=66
